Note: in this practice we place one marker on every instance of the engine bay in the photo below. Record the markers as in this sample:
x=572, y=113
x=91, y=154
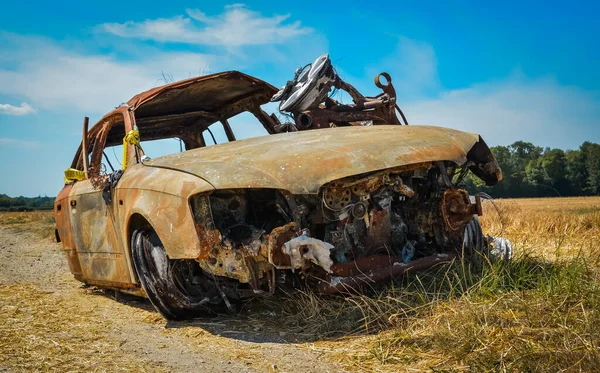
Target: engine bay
x=402, y=215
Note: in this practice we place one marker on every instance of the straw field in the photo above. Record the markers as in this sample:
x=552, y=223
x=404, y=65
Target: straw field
x=540, y=312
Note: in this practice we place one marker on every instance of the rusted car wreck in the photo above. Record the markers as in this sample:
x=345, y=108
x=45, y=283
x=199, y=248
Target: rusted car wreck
x=338, y=197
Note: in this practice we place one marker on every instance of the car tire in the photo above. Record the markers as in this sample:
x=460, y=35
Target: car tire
x=478, y=246
x=162, y=282
x=473, y=240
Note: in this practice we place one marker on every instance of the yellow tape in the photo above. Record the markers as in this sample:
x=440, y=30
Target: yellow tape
x=132, y=137
x=72, y=174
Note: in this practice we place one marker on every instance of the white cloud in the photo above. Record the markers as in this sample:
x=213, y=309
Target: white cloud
x=540, y=110
x=53, y=77
x=6, y=141
x=161, y=29
x=24, y=109
x=537, y=110
x=49, y=74
x=237, y=26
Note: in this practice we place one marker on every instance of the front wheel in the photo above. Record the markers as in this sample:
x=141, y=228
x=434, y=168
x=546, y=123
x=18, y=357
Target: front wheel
x=476, y=244
x=473, y=241
x=174, y=287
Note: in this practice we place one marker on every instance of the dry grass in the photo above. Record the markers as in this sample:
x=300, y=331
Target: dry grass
x=16, y=218
x=546, y=227
x=42, y=332
x=538, y=313
x=40, y=222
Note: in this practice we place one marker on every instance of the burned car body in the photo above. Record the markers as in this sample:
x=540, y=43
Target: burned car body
x=343, y=196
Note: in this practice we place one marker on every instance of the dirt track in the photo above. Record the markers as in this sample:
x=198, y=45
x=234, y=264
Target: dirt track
x=51, y=322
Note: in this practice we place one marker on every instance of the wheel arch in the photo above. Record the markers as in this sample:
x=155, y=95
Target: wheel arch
x=170, y=217
x=136, y=222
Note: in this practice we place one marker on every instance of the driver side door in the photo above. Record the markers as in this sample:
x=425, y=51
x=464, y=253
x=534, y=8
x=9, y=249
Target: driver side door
x=94, y=222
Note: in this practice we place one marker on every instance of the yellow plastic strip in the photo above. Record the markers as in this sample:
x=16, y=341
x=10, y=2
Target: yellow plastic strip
x=132, y=137
x=72, y=174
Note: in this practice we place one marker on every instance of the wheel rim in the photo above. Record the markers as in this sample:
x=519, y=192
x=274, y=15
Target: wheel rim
x=167, y=282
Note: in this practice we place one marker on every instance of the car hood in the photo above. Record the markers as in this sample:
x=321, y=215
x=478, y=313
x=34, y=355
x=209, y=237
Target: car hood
x=301, y=162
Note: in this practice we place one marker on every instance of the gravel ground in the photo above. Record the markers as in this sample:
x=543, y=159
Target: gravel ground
x=50, y=322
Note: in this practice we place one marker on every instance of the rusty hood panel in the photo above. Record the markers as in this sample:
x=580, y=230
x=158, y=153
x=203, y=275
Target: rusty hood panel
x=301, y=162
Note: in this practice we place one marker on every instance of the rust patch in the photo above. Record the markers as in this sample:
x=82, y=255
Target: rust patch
x=379, y=232
x=457, y=209
x=274, y=247
x=367, y=278
x=362, y=265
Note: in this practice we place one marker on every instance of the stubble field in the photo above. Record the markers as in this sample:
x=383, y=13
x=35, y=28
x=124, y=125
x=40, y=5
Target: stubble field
x=540, y=312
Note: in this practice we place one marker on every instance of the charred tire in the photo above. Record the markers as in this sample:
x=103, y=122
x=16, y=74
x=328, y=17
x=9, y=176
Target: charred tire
x=473, y=241
x=478, y=246
x=166, y=281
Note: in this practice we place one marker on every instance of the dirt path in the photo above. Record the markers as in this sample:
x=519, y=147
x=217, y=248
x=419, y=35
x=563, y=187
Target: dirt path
x=50, y=322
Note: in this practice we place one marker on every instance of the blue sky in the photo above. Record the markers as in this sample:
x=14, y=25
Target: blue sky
x=509, y=71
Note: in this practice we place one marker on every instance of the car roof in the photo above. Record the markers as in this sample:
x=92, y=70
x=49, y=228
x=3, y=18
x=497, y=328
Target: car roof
x=191, y=105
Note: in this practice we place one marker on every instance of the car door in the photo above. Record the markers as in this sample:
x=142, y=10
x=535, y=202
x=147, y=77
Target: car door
x=95, y=223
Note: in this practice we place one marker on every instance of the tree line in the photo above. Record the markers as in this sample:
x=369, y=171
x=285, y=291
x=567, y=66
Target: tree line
x=25, y=203
x=532, y=171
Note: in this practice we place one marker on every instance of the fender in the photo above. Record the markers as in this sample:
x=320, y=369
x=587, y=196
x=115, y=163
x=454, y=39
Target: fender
x=162, y=198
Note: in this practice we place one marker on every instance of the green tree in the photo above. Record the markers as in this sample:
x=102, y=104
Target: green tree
x=529, y=171
x=591, y=154
x=577, y=172
x=549, y=172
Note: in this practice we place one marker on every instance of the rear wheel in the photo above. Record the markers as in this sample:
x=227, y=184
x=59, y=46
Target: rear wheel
x=174, y=287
